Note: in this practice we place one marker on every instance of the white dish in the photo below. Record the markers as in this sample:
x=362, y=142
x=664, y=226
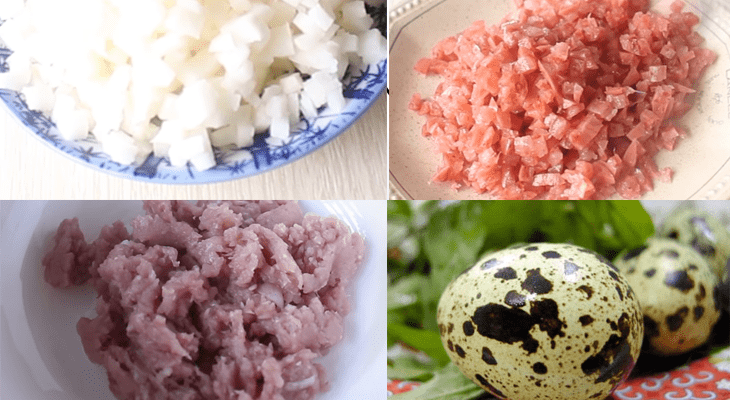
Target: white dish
x=41, y=356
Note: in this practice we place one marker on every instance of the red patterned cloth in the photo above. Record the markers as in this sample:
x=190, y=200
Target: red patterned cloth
x=705, y=379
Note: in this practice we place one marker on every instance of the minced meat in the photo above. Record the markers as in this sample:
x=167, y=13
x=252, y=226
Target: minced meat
x=562, y=99
x=214, y=300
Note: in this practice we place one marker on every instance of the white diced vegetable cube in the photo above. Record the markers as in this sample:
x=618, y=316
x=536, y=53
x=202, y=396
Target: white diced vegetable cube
x=372, y=46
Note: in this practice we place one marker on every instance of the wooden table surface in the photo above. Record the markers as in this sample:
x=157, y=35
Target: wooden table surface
x=352, y=166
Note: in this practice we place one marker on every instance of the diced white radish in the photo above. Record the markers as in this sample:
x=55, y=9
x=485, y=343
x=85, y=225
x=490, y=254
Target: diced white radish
x=72, y=123
x=203, y=161
x=276, y=107
x=372, y=46
x=281, y=43
x=293, y=107
x=209, y=70
x=279, y=128
x=247, y=29
x=347, y=41
x=151, y=70
x=170, y=132
x=293, y=3
x=335, y=99
x=183, y=151
x=354, y=17
x=239, y=132
x=307, y=106
x=120, y=147
x=291, y=83
x=39, y=97
x=19, y=73
x=240, y=135
x=240, y=5
x=185, y=21
x=282, y=13
x=321, y=17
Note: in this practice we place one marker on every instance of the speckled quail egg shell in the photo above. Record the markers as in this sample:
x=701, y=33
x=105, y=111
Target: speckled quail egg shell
x=542, y=321
x=677, y=292
x=704, y=233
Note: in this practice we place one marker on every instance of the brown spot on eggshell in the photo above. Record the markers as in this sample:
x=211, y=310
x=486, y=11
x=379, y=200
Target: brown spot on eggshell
x=698, y=311
x=460, y=351
x=585, y=320
x=506, y=273
x=702, y=293
x=669, y=253
x=705, y=249
x=536, y=283
x=716, y=294
x=539, y=368
x=488, y=357
x=485, y=383
x=514, y=299
x=510, y=325
x=468, y=328
x=547, y=315
x=614, y=361
x=506, y=325
x=679, y=280
x=635, y=252
x=587, y=290
x=650, y=272
x=551, y=254
x=675, y=321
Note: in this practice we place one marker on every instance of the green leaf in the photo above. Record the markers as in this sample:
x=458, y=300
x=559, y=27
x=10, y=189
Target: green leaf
x=399, y=209
x=409, y=368
x=406, y=292
x=447, y=384
x=427, y=341
x=633, y=224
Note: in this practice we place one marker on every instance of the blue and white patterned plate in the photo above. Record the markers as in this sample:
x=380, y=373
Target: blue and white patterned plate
x=361, y=89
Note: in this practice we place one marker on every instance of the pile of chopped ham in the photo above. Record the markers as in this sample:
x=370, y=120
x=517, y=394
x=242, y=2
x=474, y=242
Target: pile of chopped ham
x=214, y=300
x=562, y=99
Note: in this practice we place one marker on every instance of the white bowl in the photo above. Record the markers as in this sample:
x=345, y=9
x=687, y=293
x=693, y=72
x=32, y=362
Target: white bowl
x=41, y=356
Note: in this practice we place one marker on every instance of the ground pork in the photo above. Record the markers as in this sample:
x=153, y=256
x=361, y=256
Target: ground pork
x=212, y=300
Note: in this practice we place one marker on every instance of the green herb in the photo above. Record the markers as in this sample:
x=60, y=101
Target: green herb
x=431, y=243
x=447, y=384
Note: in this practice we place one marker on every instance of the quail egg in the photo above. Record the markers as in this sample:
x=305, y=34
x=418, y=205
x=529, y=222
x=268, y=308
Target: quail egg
x=542, y=321
x=703, y=232
x=677, y=291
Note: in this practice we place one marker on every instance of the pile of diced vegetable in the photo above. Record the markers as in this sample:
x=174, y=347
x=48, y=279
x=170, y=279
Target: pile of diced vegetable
x=176, y=77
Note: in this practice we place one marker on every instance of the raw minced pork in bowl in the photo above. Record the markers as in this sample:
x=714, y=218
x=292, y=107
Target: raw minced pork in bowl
x=196, y=91
x=196, y=301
